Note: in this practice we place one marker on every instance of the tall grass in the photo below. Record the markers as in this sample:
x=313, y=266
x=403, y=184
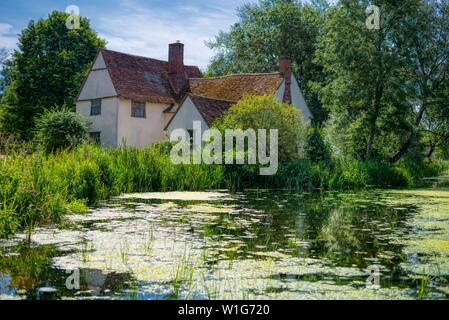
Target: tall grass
x=37, y=188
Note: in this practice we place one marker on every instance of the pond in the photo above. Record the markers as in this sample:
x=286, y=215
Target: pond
x=373, y=244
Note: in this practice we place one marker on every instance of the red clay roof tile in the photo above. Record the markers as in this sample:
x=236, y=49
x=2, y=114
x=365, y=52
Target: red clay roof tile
x=210, y=109
x=145, y=79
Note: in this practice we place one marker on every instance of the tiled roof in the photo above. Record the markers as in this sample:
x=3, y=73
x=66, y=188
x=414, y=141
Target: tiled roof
x=235, y=87
x=145, y=79
x=210, y=109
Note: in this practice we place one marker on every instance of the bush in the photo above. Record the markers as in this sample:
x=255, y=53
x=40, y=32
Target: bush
x=61, y=129
x=265, y=112
x=316, y=149
x=10, y=144
x=383, y=175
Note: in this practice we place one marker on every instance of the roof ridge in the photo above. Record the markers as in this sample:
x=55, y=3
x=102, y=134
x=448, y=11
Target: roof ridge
x=238, y=75
x=133, y=55
x=143, y=57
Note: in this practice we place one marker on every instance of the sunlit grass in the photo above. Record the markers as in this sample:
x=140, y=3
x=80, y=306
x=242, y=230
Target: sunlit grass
x=38, y=188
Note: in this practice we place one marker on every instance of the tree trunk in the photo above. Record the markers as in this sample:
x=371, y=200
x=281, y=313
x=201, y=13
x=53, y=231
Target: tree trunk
x=431, y=150
x=408, y=142
x=373, y=120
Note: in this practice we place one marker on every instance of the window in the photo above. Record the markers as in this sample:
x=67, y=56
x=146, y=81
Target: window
x=138, y=110
x=95, y=107
x=95, y=137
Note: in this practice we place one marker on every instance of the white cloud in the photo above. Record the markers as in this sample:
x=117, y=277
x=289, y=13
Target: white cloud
x=139, y=30
x=134, y=26
x=8, y=39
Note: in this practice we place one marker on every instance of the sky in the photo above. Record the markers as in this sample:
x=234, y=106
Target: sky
x=141, y=27
x=134, y=26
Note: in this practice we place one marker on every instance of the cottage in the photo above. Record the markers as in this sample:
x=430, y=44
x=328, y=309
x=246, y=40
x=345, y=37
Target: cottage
x=136, y=101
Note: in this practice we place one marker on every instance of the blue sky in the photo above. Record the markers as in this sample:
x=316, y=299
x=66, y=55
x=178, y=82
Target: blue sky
x=134, y=26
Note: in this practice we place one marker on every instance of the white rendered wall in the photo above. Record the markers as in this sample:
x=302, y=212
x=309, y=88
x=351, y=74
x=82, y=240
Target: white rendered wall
x=106, y=123
x=141, y=132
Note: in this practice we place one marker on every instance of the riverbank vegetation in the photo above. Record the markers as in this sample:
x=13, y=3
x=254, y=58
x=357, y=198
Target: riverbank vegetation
x=39, y=187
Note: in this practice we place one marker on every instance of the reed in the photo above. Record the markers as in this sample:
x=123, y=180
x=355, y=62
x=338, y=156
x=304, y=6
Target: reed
x=38, y=188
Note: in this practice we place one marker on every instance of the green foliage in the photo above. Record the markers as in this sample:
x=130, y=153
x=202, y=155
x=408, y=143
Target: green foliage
x=380, y=83
x=381, y=97
x=47, y=69
x=267, y=30
x=10, y=145
x=61, y=129
x=362, y=93
x=265, y=112
x=40, y=188
x=316, y=148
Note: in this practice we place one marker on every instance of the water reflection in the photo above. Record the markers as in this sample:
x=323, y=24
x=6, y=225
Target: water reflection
x=257, y=244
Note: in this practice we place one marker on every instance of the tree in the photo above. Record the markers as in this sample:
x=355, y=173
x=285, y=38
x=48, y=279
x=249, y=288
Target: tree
x=435, y=123
x=265, y=112
x=265, y=32
x=367, y=89
x=46, y=70
x=61, y=129
x=316, y=148
x=426, y=39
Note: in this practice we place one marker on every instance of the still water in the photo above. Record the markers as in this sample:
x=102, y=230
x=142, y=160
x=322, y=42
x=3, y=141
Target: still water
x=375, y=244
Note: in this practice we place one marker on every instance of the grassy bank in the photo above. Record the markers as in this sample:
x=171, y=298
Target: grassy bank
x=37, y=188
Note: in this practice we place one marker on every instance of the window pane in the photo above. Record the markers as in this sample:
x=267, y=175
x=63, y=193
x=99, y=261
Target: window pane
x=95, y=107
x=138, y=110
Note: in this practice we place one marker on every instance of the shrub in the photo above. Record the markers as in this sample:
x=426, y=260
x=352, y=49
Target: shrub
x=10, y=144
x=383, y=175
x=265, y=112
x=316, y=149
x=61, y=129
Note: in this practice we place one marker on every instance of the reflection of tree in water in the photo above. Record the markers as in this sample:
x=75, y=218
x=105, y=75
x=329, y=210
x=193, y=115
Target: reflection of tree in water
x=353, y=227
x=26, y=266
x=346, y=227
x=338, y=233
x=336, y=225
x=99, y=282
x=29, y=268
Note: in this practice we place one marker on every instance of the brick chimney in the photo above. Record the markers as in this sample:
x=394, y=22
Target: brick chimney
x=285, y=69
x=176, y=58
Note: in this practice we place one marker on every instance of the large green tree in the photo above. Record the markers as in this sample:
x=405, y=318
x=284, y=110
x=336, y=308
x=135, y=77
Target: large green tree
x=424, y=37
x=46, y=71
x=264, y=32
x=435, y=123
x=375, y=76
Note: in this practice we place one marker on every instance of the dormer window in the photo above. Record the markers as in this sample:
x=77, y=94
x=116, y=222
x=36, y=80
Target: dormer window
x=95, y=107
x=138, y=109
